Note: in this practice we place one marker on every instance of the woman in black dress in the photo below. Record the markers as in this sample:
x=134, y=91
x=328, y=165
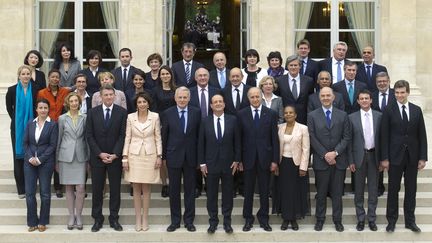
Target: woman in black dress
x=35, y=60
x=154, y=61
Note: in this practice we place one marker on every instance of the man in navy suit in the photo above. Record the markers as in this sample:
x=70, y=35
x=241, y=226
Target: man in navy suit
x=219, y=153
x=334, y=65
x=368, y=70
x=180, y=127
x=123, y=74
x=260, y=155
x=200, y=98
x=219, y=75
x=105, y=133
x=184, y=70
x=404, y=152
x=309, y=67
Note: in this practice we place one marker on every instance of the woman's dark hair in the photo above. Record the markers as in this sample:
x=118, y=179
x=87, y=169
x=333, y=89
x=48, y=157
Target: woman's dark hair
x=94, y=53
x=58, y=57
x=251, y=52
x=144, y=95
x=291, y=106
x=139, y=72
x=154, y=56
x=172, y=82
x=42, y=100
x=54, y=71
x=274, y=54
x=37, y=53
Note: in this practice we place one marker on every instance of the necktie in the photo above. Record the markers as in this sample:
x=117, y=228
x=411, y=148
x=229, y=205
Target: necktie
x=351, y=92
x=237, y=104
x=124, y=78
x=303, y=67
x=368, y=133
x=222, y=80
x=107, y=117
x=368, y=73
x=219, y=130
x=203, y=104
x=404, y=115
x=383, y=101
x=188, y=72
x=339, y=72
x=294, y=89
x=328, y=119
x=256, y=118
x=183, y=120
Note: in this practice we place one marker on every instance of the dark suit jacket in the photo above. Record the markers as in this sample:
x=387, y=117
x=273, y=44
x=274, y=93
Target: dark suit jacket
x=118, y=75
x=214, y=79
x=375, y=99
x=178, y=147
x=357, y=144
x=218, y=156
x=195, y=92
x=312, y=69
x=326, y=65
x=180, y=75
x=324, y=139
x=301, y=103
x=260, y=144
x=395, y=140
x=105, y=139
x=315, y=103
x=229, y=99
x=93, y=84
x=340, y=87
x=362, y=76
x=40, y=80
x=47, y=144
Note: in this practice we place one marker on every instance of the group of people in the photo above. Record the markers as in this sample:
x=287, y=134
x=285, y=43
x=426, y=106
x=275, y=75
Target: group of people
x=248, y=130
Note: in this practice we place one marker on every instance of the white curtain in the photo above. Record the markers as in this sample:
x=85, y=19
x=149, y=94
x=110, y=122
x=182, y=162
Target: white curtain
x=110, y=14
x=304, y=12
x=51, y=17
x=360, y=16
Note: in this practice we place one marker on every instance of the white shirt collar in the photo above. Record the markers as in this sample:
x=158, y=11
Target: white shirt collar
x=105, y=107
x=259, y=108
x=184, y=62
x=48, y=119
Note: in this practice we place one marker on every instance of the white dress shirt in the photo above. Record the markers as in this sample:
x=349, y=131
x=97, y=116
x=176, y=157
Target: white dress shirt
x=297, y=79
x=406, y=109
x=222, y=123
x=234, y=93
x=380, y=97
x=335, y=68
x=368, y=138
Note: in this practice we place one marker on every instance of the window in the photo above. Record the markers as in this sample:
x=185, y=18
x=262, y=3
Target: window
x=85, y=24
x=324, y=23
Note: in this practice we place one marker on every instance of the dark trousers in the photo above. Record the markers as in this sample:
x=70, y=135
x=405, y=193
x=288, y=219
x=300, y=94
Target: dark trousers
x=330, y=180
x=189, y=181
x=200, y=185
x=114, y=171
x=212, y=197
x=409, y=171
x=381, y=187
x=18, y=168
x=249, y=185
x=238, y=182
x=369, y=170
x=57, y=185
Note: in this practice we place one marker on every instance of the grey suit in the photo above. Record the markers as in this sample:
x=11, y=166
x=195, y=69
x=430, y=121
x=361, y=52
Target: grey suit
x=325, y=139
x=277, y=106
x=366, y=163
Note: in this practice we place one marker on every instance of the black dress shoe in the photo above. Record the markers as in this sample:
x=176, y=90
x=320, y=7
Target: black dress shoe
x=390, y=227
x=173, y=227
x=164, y=192
x=360, y=226
x=373, y=226
x=234, y=194
x=197, y=193
x=59, y=194
x=266, y=227
x=96, y=227
x=247, y=227
x=116, y=226
x=190, y=227
x=380, y=193
x=294, y=225
x=212, y=229
x=284, y=225
x=413, y=227
x=228, y=229
x=131, y=191
x=339, y=227
x=319, y=225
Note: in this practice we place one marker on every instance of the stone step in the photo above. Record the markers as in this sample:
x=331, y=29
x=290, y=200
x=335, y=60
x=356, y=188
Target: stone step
x=157, y=233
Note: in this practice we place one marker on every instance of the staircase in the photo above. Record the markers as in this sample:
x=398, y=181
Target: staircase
x=13, y=216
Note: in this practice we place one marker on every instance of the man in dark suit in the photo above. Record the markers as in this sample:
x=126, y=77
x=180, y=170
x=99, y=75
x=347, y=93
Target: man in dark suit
x=219, y=153
x=180, y=127
x=295, y=88
x=235, y=93
x=368, y=70
x=329, y=131
x=324, y=80
x=184, y=70
x=260, y=156
x=334, y=65
x=105, y=132
x=123, y=74
x=219, y=75
x=404, y=152
x=309, y=67
x=200, y=98
x=363, y=156
x=381, y=98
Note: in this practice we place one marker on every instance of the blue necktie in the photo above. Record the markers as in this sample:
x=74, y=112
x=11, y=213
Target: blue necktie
x=107, y=117
x=339, y=72
x=188, y=72
x=328, y=119
x=368, y=73
x=219, y=130
x=256, y=118
x=183, y=121
x=303, y=67
x=222, y=81
x=351, y=92
x=383, y=101
x=203, y=104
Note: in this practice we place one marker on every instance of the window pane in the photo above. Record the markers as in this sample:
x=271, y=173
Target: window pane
x=98, y=41
x=50, y=39
x=56, y=15
x=320, y=44
x=314, y=13
x=95, y=13
x=355, y=15
x=356, y=41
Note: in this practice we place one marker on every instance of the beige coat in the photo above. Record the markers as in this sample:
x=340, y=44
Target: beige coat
x=301, y=148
